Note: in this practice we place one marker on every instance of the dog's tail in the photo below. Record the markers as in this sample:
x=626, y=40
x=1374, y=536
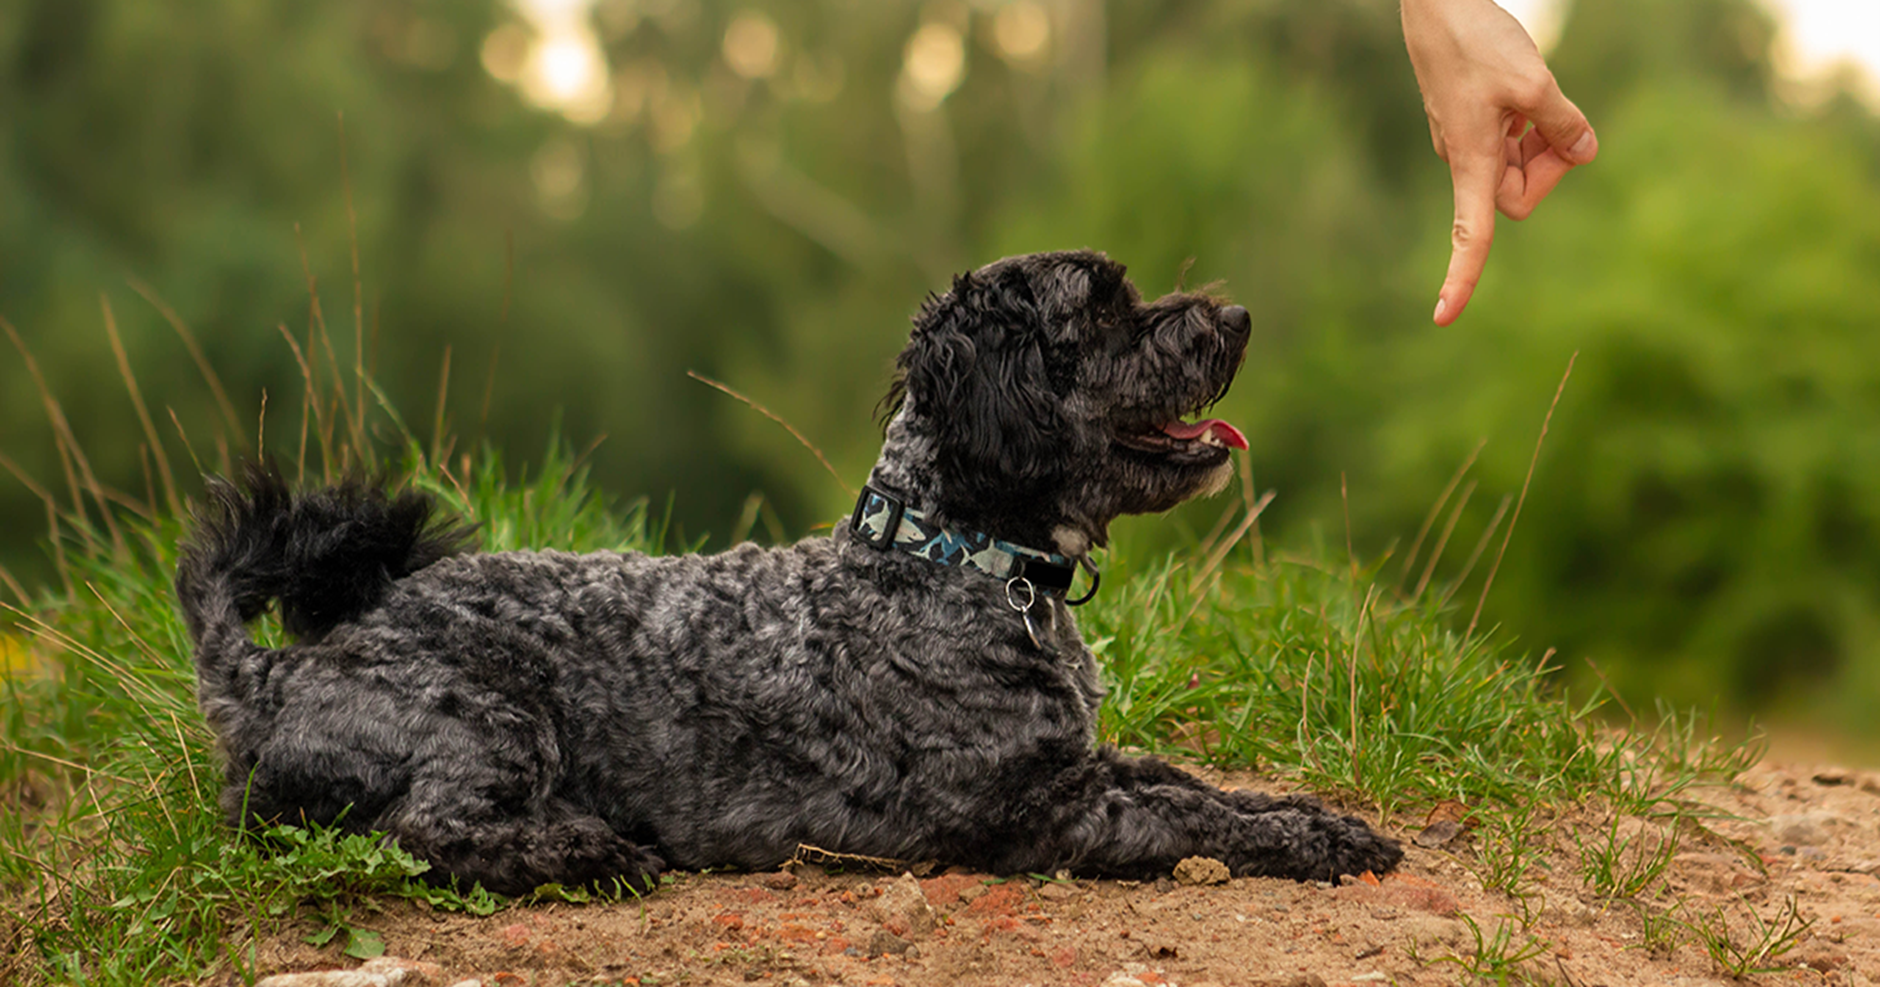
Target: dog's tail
x=327, y=555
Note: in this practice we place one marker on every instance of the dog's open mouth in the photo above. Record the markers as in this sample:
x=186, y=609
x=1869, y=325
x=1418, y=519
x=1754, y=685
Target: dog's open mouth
x=1178, y=437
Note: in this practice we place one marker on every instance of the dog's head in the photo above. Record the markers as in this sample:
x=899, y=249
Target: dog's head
x=1040, y=397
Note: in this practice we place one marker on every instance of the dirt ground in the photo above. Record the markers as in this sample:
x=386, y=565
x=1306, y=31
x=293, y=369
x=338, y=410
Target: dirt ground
x=1784, y=832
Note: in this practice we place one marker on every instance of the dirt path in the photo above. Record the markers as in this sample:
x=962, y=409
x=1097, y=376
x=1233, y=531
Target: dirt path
x=1811, y=835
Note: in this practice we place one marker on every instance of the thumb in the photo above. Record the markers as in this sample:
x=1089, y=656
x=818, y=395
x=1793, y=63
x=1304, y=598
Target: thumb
x=1562, y=124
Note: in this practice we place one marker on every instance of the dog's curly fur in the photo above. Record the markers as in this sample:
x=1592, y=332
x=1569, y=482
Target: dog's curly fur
x=533, y=717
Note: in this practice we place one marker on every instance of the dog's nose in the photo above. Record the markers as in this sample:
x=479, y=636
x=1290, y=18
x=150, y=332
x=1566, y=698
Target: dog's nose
x=1236, y=320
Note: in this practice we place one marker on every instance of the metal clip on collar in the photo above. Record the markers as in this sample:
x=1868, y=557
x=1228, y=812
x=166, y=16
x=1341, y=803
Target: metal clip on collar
x=1018, y=585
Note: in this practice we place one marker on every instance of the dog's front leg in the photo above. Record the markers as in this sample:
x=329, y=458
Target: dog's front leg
x=1126, y=817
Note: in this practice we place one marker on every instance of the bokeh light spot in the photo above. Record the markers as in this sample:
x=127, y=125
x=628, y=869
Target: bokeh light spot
x=752, y=47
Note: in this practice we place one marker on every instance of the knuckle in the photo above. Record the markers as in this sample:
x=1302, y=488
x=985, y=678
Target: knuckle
x=1534, y=90
x=1472, y=236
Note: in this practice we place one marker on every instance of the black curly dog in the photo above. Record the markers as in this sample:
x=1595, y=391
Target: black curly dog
x=913, y=687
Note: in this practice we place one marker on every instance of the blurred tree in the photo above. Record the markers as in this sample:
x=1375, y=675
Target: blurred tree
x=763, y=191
x=1610, y=48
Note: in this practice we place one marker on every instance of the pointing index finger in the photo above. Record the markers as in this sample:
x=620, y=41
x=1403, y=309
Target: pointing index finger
x=1476, y=175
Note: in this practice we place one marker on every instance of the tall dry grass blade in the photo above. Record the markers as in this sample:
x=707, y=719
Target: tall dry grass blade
x=1442, y=542
x=13, y=586
x=1344, y=499
x=310, y=404
x=773, y=524
x=310, y=366
x=143, y=410
x=350, y=417
x=52, y=520
x=99, y=495
x=405, y=434
x=135, y=638
x=1436, y=509
x=58, y=435
x=1610, y=691
x=1207, y=544
x=182, y=745
x=1248, y=497
x=747, y=518
x=1197, y=587
x=181, y=434
x=60, y=563
x=437, y=423
x=1205, y=547
x=773, y=416
x=1532, y=463
x=261, y=426
x=359, y=312
x=1219, y=555
x=62, y=762
x=581, y=458
x=68, y=440
x=143, y=509
x=1481, y=545
x=300, y=455
x=32, y=486
x=153, y=696
x=150, y=489
x=181, y=329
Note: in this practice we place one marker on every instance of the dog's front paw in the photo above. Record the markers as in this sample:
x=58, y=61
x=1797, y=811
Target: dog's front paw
x=1306, y=842
x=1359, y=849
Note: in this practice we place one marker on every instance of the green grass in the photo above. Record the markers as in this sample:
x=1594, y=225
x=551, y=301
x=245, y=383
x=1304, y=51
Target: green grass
x=1318, y=671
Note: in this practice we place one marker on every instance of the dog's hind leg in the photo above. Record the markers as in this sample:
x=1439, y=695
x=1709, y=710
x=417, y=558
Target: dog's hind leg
x=1127, y=817
x=481, y=808
x=517, y=855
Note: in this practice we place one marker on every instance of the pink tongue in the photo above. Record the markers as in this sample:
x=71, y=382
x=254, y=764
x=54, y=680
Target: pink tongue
x=1228, y=434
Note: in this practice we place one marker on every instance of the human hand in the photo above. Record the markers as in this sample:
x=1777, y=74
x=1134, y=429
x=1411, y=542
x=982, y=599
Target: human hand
x=1483, y=82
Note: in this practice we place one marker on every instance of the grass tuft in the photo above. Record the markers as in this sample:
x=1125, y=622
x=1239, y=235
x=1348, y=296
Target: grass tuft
x=1307, y=669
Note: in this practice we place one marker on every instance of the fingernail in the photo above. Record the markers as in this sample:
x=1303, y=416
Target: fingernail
x=1582, y=149
x=1442, y=305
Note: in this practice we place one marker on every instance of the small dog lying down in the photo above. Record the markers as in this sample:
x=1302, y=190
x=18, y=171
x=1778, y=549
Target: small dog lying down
x=912, y=687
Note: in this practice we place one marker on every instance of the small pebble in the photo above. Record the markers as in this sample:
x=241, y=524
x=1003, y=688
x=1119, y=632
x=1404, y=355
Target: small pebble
x=1053, y=891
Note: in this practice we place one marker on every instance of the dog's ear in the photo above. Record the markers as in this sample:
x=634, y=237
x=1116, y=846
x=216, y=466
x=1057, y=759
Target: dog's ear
x=976, y=371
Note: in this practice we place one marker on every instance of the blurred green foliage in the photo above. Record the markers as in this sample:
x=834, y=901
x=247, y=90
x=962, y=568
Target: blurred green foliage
x=1705, y=519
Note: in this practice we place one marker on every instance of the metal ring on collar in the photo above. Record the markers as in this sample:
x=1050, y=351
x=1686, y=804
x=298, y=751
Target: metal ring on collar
x=1011, y=598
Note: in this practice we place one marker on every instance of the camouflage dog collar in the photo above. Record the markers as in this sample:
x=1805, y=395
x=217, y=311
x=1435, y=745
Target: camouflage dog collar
x=882, y=521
